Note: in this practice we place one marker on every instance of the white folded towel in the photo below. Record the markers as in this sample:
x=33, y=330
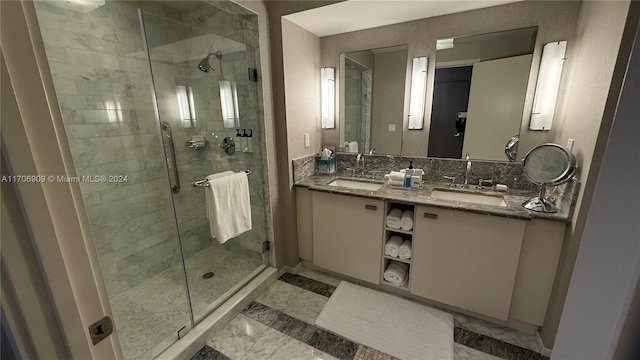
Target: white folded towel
x=405, y=250
x=406, y=220
x=416, y=172
x=392, y=247
x=396, y=175
x=393, y=219
x=396, y=182
x=228, y=205
x=396, y=273
x=352, y=147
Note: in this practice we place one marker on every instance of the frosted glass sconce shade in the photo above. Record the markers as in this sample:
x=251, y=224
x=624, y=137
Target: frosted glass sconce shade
x=229, y=103
x=328, y=99
x=544, y=102
x=418, y=92
x=186, y=105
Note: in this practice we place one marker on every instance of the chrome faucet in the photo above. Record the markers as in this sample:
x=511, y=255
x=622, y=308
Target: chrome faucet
x=359, y=158
x=467, y=173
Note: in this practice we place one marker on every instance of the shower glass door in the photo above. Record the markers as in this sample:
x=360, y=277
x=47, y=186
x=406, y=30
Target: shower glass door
x=191, y=103
x=121, y=77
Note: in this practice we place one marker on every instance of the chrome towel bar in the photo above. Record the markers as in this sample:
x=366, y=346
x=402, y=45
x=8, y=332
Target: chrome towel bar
x=205, y=182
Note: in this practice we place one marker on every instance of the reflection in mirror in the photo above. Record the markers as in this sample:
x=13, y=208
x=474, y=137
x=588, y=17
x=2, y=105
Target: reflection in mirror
x=479, y=93
x=372, y=100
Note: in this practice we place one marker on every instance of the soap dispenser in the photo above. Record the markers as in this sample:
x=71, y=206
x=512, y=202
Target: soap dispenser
x=408, y=173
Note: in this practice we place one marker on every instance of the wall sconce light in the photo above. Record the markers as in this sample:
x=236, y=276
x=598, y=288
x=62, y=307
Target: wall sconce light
x=229, y=103
x=544, y=102
x=328, y=89
x=186, y=106
x=418, y=92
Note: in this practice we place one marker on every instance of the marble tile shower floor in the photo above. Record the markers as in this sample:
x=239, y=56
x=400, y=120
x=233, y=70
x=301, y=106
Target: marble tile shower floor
x=155, y=309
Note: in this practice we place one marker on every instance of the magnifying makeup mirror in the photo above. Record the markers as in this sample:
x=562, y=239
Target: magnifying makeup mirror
x=547, y=165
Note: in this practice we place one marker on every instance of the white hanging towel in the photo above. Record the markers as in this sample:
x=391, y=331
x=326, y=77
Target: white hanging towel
x=228, y=206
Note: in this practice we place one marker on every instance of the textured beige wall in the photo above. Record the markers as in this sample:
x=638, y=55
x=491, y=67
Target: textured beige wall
x=387, y=101
x=585, y=114
x=556, y=20
x=301, y=59
x=284, y=212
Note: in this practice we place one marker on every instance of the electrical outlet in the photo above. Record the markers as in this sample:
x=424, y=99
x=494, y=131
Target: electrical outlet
x=392, y=127
x=570, y=144
x=307, y=140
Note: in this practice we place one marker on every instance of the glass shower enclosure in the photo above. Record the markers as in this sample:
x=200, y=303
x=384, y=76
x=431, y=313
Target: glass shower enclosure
x=156, y=96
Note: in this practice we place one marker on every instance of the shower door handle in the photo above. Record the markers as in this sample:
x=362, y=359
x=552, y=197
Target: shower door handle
x=171, y=163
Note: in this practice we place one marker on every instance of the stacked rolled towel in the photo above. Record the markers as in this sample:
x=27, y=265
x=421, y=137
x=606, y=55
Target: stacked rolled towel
x=394, y=219
x=404, y=251
x=406, y=220
x=396, y=178
x=392, y=247
x=396, y=273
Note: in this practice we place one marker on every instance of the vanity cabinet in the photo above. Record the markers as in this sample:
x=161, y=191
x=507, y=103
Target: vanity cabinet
x=346, y=235
x=466, y=260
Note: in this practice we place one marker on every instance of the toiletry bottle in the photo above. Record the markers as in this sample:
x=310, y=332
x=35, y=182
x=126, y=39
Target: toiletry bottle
x=408, y=174
x=245, y=140
x=250, y=141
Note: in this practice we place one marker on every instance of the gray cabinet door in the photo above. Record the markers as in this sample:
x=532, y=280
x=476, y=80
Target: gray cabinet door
x=347, y=235
x=466, y=260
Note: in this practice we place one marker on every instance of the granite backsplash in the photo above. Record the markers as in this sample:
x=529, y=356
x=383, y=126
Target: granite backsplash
x=510, y=174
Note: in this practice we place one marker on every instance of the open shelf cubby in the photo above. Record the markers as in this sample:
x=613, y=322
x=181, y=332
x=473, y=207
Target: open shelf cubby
x=385, y=282
x=405, y=235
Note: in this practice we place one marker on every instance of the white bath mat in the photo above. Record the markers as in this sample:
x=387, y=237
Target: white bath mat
x=387, y=323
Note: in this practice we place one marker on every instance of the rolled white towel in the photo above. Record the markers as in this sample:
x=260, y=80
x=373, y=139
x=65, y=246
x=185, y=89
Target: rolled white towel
x=396, y=182
x=396, y=175
x=404, y=251
x=393, y=219
x=406, y=220
x=396, y=273
x=392, y=247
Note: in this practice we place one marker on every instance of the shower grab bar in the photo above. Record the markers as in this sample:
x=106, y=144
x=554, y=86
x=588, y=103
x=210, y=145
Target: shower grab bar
x=205, y=182
x=172, y=163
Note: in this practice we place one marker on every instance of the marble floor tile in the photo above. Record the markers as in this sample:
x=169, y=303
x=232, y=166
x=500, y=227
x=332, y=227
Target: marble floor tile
x=293, y=327
x=274, y=345
x=319, y=276
x=511, y=336
x=207, y=353
x=238, y=336
x=334, y=345
x=367, y=353
x=461, y=352
x=493, y=346
x=304, y=282
x=261, y=313
x=279, y=295
x=306, y=306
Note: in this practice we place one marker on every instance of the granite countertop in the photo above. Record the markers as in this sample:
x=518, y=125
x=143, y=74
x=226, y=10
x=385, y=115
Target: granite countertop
x=513, y=198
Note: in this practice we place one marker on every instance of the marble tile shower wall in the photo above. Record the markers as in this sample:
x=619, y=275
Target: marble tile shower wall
x=103, y=86
x=102, y=80
x=236, y=37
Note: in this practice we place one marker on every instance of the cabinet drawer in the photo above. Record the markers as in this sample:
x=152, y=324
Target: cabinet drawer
x=346, y=235
x=466, y=260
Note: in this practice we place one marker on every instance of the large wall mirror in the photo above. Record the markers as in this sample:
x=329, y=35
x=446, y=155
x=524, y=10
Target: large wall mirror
x=372, y=86
x=479, y=92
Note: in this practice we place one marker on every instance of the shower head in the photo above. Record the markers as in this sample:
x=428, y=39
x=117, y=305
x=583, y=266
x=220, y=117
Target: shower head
x=204, y=65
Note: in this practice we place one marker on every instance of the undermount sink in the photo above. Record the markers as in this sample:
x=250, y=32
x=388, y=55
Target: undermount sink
x=468, y=197
x=352, y=184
